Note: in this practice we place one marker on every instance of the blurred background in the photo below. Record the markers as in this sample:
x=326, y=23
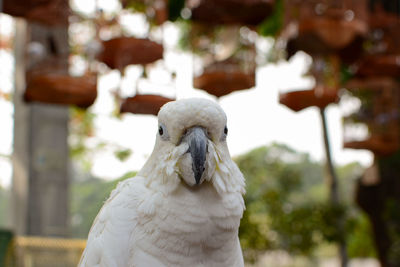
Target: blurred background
x=310, y=88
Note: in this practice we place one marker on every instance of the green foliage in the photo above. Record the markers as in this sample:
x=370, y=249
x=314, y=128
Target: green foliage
x=272, y=25
x=82, y=121
x=138, y=6
x=346, y=74
x=272, y=199
x=184, y=39
x=80, y=127
x=123, y=154
x=288, y=208
x=126, y=176
x=347, y=175
x=392, y=216
x=5, y=245
x=360, y=243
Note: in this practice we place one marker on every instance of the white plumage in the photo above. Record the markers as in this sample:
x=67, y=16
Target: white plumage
x=184, y=207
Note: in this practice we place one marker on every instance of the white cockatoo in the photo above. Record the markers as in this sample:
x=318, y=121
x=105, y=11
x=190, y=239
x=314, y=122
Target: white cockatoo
x=184, y=206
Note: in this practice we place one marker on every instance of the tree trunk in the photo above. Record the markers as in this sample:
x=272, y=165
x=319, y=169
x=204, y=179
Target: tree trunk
x=333, y=186
x=381, y=201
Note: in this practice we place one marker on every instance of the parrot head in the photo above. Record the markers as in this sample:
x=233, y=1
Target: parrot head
x=191, y=146
x=196, y=125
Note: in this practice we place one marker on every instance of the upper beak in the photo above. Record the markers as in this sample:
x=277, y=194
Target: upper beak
x=197, y=140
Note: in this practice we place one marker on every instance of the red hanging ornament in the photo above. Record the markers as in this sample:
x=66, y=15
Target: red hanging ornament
x=299, y=100
x=224, y=58
x=48, y=12
x=123, y=51
x=55, y=88
x=321, y=28
x=144, y=104
x=380, y=101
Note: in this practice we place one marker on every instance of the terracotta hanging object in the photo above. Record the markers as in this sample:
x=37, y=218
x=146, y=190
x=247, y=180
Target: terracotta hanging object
x=55, y=88
x=374, y=83
x=220, y=81
x=123, y=51
x=325, y=72
x=248, y=12
x=379, y=111
x=382, y=54
x=380, y=100
x=321, y=28
x=48, y=12
x=224, y=59
x=375, y=144
x=387, y=65
x=144, y=104
x=299, y=100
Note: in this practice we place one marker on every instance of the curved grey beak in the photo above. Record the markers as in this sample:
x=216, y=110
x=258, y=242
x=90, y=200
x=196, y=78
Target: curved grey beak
x=197, y=139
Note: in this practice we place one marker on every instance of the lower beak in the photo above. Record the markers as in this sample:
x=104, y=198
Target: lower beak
x=197, y=139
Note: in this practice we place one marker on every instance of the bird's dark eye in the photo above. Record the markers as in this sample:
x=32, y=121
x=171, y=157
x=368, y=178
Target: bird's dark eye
x=226, y=130
x=162, y=131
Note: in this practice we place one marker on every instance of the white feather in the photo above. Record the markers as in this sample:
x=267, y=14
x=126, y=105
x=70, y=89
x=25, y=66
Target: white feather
x=155, y=219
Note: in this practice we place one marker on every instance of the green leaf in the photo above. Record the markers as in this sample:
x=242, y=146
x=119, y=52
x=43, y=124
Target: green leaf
x=273, y=24
x=123, y=154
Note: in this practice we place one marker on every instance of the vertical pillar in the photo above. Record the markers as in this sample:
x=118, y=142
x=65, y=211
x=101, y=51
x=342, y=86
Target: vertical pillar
x=41, y=154
x=20, y=156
